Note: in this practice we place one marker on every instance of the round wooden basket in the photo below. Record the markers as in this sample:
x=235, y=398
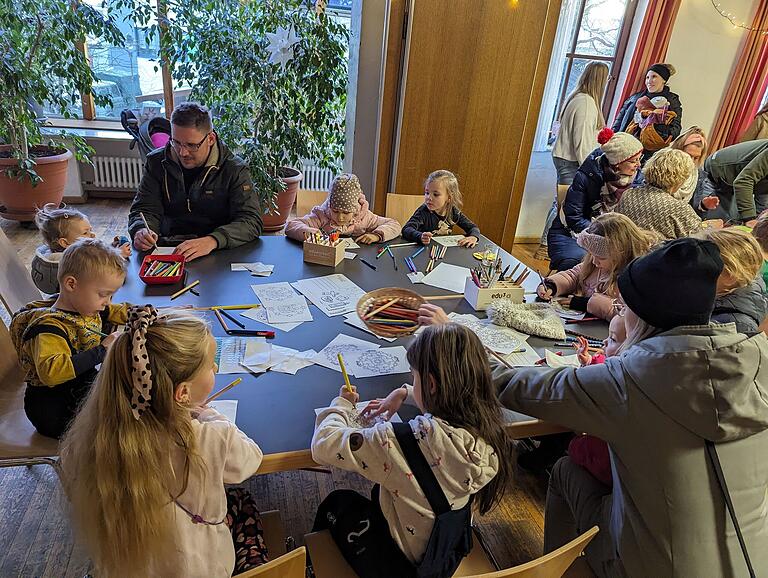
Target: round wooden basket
x=406, y=299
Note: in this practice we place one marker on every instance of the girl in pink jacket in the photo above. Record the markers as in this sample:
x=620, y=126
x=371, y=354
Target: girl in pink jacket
x=345, y=211
x=611, y=242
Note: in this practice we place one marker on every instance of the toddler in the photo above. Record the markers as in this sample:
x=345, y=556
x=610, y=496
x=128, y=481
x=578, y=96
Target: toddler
x=60, y=227
x=440, y=212
x=345, y=211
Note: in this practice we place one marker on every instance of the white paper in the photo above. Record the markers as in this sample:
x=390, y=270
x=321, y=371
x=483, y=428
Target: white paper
x=260, y=314
x=163, y=250
x=269, y=293
x=417, y=277
x=447, y=240
x=503, y=340
x=349, y=243
x=258, y=268
x=448, y=277
x=349, y=347
x=348, y=255
x=527, y=358
x=566, y=313
x=290, y=310
x=261, y=356
x=554, y=360
x=354, y=320
x=226, y=407
x=230, y=352
x=383, y=361
x=332, y=294
x=294, y=361
x=356, y=421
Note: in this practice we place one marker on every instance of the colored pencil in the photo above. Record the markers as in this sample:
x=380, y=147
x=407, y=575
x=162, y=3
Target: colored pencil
x=181, y=292
x=403, y=245
x=441, y=297
x=146, y=225
x=95, y=331
x=230, y=317
x=247, y=306
x=380, y=253
x=217, y=313
x=417, y=252
x=499, y=357
x=367, y=263
x=224, y=389
x=344, y=372
x=382, y=308
x=252, y=332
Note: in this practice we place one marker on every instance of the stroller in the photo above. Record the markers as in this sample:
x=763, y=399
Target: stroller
x=151, y=134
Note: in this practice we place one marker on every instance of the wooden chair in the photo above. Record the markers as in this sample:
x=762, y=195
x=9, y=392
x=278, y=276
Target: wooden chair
x=16, y=285
x=20, y=444
x=562, y=190
x=401, y=207
x=327, y=561
x=306, y=199
x=290, y=565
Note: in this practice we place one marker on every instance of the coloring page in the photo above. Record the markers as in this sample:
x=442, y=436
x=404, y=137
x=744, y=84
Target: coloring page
x=502, y=340
x=163, y=250
x=350, y=349
x=448, y=277
x=554, y=360
x=230, y=352
x=332, y=294
x=273, y=292
x=349, y=243
x=288, y=310
x=448, y=240
x=260, y=314
x=226, y=407
x=383, y=361
x=566, y=313
x=359, y=422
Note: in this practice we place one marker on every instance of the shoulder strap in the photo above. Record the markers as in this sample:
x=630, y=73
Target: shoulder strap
x=715, y=461
x=36, y=330
x=421, y=469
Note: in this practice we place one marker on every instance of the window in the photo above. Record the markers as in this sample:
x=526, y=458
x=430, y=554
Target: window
x=588, y=30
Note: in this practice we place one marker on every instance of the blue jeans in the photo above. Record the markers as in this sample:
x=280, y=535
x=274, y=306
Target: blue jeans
x=566, y=170
x=563, y=251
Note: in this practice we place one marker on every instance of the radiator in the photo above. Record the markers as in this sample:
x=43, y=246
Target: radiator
x=117, y=172
x=125, y=173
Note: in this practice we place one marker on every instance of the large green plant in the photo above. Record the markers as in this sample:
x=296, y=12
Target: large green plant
x=40, y=63
x=274, y=114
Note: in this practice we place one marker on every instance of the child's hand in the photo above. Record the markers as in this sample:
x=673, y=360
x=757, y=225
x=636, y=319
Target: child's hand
x=468, y=241
x=426, y=238
x=710, y=202
x=351, y=396
x=432, y=315
x=367, y=239
x=544, y=292
x=125, y=250
x=565, y=301
x=389, y=405
x=110, y=339
x=582, y=351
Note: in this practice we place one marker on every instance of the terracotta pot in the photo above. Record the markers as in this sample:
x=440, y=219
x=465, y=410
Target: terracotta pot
x=285, y=200
x=19, y=199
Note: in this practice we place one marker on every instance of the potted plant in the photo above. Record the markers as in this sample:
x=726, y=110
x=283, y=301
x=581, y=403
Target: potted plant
x=41, y=63
x=274, y=74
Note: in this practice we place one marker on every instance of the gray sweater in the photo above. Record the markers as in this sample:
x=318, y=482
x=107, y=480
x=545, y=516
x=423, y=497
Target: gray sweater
x=655, y=405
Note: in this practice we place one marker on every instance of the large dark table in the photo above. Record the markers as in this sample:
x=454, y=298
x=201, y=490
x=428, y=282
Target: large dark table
x=276, y=409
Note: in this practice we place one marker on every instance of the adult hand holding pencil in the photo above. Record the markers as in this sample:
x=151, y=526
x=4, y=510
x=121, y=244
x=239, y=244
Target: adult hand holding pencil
x=145, y=239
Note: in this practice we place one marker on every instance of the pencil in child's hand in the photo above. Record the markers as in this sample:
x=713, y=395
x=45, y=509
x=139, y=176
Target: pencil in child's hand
x=344, y=373
x=224, y=389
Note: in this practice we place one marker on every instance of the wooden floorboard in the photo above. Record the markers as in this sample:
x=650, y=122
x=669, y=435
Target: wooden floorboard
x=36, y=539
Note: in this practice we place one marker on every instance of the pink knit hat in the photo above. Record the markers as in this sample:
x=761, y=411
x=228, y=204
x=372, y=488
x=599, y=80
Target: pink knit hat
x=618, y=147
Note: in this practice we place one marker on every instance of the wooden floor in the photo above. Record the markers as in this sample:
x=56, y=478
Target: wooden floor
x=35, y=536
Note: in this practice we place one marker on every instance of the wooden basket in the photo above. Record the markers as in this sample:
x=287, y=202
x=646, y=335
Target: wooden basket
x=370, y=301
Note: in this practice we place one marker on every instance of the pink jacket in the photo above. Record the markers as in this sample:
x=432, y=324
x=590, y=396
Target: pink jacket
x=600, y=302
x=364, y=221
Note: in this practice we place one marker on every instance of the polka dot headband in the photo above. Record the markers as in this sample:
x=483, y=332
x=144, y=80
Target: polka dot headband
x=140, y=318
x=345, y=193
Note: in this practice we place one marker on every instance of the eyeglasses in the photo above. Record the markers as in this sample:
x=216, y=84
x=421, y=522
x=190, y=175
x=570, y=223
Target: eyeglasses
x=191, y=147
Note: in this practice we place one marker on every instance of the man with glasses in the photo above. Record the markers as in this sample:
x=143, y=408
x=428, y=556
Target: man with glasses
x=194, y=192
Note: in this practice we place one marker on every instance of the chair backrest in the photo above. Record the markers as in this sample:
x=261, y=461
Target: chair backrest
x=401, y=207
x=562, y=190
x=552, y=565
x=16, y=285
x=307, y=199
x=290, y=565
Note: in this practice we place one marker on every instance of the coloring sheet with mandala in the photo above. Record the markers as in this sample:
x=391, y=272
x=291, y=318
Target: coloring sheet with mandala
x=349, y=347
x=332, y=294
x=289, y=310
x=502, y=340
x=355, y=420
x=382, y=361
x=270, y=293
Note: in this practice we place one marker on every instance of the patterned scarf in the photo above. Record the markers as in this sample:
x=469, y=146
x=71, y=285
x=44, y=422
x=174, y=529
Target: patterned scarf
x=140, y=318
x=613, y=187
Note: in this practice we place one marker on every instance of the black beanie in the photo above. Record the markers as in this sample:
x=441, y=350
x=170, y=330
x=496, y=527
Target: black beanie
x=661, y=70
x=673, y=285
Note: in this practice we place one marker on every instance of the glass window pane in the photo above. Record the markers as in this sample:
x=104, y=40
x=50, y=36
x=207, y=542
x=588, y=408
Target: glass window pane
x=600, y=27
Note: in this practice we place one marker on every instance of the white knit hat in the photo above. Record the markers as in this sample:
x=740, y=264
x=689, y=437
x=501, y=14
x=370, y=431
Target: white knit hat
x=345, y=193
x=618, y=147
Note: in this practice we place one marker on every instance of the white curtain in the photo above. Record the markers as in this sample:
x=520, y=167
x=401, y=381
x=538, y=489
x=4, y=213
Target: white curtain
x=563, y=38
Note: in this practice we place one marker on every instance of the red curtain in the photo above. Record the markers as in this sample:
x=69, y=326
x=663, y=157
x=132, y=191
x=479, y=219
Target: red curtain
x=746, y=86
x=652, y=43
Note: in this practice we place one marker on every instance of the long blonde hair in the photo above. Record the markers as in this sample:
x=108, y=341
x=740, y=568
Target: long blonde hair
x=626, y=241
x=455, y=198
x=117, y=470
x=679, y=143
x=592, y=82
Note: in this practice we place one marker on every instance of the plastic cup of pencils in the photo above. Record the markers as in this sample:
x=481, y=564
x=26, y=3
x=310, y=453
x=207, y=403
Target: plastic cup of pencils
x=162, y=269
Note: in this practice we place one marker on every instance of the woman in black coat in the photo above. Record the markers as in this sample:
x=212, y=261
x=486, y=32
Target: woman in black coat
x=662, y=133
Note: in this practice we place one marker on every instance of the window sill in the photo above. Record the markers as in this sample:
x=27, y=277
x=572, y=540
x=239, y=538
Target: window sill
x=97, y=129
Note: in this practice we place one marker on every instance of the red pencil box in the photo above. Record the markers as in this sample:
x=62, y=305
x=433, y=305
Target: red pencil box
x=161, y=279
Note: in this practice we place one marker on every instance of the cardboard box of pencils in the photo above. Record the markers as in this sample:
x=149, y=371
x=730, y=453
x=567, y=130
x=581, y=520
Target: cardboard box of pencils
x=329, y=255
x=162, y=269
x=479, y=297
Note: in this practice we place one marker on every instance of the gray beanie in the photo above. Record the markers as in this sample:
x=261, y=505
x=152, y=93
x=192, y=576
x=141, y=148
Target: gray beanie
x=344, y=194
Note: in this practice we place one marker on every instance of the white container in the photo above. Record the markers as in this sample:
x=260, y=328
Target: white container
x=480, y=298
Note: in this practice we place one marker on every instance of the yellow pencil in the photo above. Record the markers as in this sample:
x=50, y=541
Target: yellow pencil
x=223, y=389
x=250, y=306
x=344, y=373
x=185, y=289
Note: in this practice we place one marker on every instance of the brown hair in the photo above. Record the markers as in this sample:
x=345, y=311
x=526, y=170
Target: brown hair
x=740, y=251
x=592, y=82
x=116, y=470
x=87, y=258
x=55, y=223
x=626, y=241
x=679, y=143
x=760, y=230
x=191, y=114
x=451, y=358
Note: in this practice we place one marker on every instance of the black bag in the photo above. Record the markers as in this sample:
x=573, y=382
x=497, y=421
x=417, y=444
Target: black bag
x=362, y=535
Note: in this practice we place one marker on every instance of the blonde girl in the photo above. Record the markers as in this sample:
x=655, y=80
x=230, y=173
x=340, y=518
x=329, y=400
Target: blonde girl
x=144, y=462
x=611, y=242
x=460, y=440
x=440, y=212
